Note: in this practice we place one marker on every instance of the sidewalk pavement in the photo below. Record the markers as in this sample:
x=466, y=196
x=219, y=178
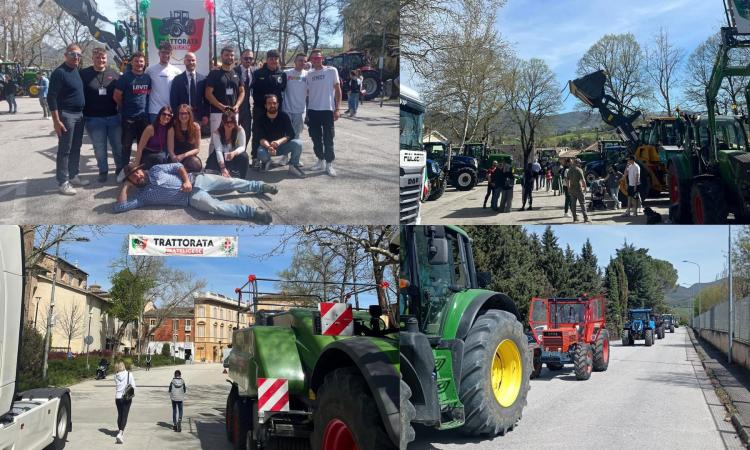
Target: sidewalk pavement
x=734, y=380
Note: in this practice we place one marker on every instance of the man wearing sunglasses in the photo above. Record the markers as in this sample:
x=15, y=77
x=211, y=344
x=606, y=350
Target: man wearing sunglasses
x=66, y=101
x=245, y=72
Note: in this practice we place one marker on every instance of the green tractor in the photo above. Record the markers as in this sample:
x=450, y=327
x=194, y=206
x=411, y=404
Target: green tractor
x=25, y=78
x=711, y=176
x=295, y=384
x=485, y=157
x=465, y=360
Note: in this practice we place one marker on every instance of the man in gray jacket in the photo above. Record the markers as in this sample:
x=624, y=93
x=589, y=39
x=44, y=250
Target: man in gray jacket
x=177, y=391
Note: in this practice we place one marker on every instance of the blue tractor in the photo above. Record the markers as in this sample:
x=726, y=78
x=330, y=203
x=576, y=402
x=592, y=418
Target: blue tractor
x=459, y=171
x=640, y=325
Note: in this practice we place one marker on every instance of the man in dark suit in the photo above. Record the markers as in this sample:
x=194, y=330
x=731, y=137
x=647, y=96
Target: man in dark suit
x=188, y=88
x=245, y=72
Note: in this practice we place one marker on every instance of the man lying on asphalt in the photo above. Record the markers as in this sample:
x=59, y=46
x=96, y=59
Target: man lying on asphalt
x=170, y=184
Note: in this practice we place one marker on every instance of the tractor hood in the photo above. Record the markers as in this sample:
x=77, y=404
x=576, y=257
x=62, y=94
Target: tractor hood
x=636, y=325
x=467, y=160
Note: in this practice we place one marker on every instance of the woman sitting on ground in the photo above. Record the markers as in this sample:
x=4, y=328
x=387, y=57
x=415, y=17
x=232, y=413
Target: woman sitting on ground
x=229, y=156
x=184, y=140
x=152, y=147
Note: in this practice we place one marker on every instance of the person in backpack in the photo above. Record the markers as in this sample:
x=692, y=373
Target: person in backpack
x=124, y=391
x=177, y=390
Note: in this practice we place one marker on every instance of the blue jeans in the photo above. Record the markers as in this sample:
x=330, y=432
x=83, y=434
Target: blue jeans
x=11, y=99
x=297, y=121
x=175, y=407
x=101, y=130
x=202, y=200
x=353, y=102
x=294, y=147
x=69, y=146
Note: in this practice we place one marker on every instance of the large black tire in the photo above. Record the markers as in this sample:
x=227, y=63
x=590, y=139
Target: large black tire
x=649, y=338
x=601, y=352
x=345, y=397
x=625, y=338
x=438, y=191
x=61, y=424
x=241, y=422
x=371, y=84
x=228, y=422
x=707, y=203
x=554, y=366
x=466, y=179
x=583, y=361
x=408, y=413
x=671, y=328
x=679, y=195
x=483, y=412
x=537, y=364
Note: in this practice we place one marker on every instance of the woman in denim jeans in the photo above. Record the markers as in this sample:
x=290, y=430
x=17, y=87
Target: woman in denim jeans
x=354, y=87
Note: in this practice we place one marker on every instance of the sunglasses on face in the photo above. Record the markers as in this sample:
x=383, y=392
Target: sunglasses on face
x=75, y=54
x=166, y=114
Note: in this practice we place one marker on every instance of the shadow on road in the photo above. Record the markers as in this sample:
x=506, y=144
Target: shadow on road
x=112, y=433
x=441, y=437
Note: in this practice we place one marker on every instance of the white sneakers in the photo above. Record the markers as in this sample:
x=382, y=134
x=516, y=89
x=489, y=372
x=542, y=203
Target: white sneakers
x=77, y=181
x=567, y=214
x=320, y=165
x=330, y=170
x=67, y=189
x=120, y=437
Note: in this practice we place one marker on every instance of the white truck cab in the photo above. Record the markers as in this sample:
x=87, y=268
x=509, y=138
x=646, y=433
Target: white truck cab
x=37, y=418
x=412, y=157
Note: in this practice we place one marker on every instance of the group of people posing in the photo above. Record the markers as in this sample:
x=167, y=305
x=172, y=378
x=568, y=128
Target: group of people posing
x=162, y=108
x=562, y=178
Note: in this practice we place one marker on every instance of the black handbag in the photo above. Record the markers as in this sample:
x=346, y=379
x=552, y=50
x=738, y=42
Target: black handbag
x=129, y=390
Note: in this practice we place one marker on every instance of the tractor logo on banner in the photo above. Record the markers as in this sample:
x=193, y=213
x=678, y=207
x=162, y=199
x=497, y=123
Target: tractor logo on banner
x=138, y=243
x=179, y=30
x=336, y=319
x=273, y=394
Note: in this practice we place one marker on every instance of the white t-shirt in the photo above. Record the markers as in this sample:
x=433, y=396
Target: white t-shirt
x=161, y=83
x=634, y=174
x=320, y=92
x=295, y=92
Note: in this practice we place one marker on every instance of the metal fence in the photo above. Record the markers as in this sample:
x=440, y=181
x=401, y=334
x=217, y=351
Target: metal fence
x=717, y=319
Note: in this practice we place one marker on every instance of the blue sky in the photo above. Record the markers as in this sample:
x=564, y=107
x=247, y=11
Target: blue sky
x=222, y=275
x=560, y=31
x=706, y=245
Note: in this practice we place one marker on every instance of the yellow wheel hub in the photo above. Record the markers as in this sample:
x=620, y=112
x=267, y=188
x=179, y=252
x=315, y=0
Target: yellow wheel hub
x=33, y=90
x=506, y=373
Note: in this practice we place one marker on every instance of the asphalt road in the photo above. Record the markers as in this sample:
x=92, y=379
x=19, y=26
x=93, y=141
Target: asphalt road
x=150, y=421
x=365, y=191
x=465, y=207
x=650, y=397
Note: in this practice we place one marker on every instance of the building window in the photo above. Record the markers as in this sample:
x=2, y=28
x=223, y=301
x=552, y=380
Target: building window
x=200, y=311
x=187, y=337
x=200, y=331
x=152, y=322
x=215, y=330
x=175, y=324
x=215, y=313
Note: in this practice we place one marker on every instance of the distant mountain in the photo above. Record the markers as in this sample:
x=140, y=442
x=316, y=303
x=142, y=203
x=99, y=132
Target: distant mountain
x=575, y=120
x=683, y=296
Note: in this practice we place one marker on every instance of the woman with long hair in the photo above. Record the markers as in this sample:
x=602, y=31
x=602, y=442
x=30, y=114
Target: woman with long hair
x=184, y=140
x=123, y=378
x=229, y=156
x=152, y=147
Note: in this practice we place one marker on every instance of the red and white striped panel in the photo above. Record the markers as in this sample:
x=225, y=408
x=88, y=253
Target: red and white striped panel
x=273, y=394
x=336, y=319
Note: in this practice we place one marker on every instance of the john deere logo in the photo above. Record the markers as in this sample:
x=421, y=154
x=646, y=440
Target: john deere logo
x=743, y=8
x=179, y=30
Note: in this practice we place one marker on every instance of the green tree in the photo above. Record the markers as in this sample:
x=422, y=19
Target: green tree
x=586, y=268
x=128, y=293
x=552, y=262
x=570, y=286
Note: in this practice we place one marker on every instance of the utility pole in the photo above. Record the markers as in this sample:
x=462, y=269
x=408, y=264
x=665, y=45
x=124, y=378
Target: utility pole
x=36, y=312
x=731, y=297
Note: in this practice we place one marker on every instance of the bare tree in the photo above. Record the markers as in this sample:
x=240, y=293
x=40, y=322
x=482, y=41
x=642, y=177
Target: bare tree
x=281, y=17
x=662, y=64
x=621, y=57
x=70, y=322
x=533, y=95
x=310, y=21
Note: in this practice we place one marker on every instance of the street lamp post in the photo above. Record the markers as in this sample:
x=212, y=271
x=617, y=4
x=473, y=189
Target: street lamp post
x=699, y=282
x=382, y=63
x=731, y=297
x=48, y=335
x=88, y=340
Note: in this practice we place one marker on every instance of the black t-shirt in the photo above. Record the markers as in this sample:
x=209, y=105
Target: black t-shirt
x=354, y=86
x=11, y=87
x=266, y=81
x=272, y=129
x=135, y=90
x=226, y=87
x=99, y=103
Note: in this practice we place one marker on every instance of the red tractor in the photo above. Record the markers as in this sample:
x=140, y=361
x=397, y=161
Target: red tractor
x=351, y=60
x=570, y=331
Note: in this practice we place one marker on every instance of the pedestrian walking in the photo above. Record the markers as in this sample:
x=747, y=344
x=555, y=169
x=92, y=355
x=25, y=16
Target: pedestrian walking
x=548, y=179
x=633, y=175
x=490, y=184
x=527, y=187
x=66, y=102
x=43, y=85
x=556, y=179
x=148, y=361
x=162, y=75
x=354, y=86
x=124, y=392
x=10, y=90
x=537, y=169
x=131, y=95
x=612, y=182
x=576, y=189
x=324, y=99
x=509, y=181
x=177, y=390
x=100, y=114
x=564, y=180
